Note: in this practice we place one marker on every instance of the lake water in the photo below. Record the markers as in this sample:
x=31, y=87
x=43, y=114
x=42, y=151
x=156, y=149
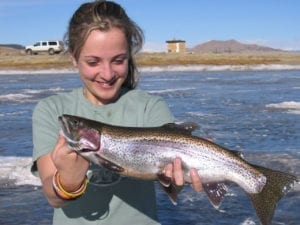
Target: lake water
x=257, y=112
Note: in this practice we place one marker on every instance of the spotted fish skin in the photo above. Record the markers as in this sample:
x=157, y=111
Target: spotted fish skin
x=143, y=153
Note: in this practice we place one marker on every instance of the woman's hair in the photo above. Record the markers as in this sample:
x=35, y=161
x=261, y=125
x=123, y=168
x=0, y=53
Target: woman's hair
x=104, y=15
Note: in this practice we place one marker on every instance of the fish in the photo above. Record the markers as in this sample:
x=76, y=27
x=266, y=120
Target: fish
x=143, y=153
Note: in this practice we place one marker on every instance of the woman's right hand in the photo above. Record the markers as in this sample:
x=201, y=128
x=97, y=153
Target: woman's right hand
x=71, y=166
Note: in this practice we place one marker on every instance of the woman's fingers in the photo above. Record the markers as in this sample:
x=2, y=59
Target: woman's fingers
x=175, y=172
x=196, y=180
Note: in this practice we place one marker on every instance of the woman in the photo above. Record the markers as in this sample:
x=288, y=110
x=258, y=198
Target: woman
x=102, y=40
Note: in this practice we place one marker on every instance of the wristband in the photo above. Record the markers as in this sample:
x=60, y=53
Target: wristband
x=62, y=193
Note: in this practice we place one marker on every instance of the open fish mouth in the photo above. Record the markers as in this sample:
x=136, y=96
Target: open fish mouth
x=78, y=137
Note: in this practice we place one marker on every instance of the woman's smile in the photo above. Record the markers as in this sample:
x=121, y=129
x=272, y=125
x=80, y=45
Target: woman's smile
x=107, y=84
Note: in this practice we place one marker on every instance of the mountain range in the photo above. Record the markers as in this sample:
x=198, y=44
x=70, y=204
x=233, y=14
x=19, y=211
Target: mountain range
x=230, y=46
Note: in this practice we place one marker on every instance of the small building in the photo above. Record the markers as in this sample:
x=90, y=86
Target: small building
x=176, y=46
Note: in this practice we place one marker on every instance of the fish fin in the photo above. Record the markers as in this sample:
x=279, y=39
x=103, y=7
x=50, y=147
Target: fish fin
x=186, y=127
x=277, y=185
x=237, y=153
x=171, y=189
x=109, y=165
x=164, y=180
x=215, y=193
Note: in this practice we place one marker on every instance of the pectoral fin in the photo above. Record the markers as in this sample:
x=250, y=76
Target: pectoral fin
x=171, y=189
x=215, y=192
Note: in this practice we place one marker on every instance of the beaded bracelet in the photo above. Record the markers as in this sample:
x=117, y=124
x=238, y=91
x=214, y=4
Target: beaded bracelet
x=62, y=193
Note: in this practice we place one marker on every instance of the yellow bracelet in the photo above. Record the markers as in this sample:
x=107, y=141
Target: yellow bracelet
x=58, y=192
x=61, y=192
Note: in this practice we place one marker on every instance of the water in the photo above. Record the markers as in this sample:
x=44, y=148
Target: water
x=257, y=112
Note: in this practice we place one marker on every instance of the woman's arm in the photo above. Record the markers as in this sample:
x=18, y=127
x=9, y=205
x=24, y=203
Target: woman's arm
x=71, y=167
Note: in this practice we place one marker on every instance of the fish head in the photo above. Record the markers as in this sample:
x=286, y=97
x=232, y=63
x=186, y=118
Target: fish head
x=80, y=133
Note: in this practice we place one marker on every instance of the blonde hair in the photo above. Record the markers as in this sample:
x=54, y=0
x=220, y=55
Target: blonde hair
x=103, y=16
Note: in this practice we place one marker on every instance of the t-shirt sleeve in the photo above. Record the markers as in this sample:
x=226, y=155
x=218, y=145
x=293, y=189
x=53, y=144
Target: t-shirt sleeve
x=157, y=113
x=45, y=129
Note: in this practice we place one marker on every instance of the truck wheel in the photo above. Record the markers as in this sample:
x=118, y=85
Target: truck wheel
x=51, y=51
x=28, y=51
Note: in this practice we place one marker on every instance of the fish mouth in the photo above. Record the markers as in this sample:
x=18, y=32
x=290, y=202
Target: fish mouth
x=78, y=137
x=74, y=145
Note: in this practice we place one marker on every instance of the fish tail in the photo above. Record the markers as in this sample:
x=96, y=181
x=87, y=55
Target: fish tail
x=277, y=185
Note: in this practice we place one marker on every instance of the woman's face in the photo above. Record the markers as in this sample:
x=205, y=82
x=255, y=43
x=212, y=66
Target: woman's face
x=103, y=65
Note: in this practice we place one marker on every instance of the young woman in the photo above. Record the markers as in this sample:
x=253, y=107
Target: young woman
x=101, y=40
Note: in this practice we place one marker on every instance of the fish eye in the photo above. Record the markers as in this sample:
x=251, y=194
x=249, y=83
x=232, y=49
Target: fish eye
x=75, y=122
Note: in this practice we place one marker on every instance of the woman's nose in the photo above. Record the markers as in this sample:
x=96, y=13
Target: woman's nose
x=107, y=72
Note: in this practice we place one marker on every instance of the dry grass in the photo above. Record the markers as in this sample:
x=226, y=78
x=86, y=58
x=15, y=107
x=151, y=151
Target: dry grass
x=35, y=62
x=16, y=59
x=218, y=59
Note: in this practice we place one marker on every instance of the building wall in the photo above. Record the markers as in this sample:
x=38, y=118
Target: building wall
x=176, y=46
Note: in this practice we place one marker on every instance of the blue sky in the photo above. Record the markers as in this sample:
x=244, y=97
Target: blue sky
x=273, y=23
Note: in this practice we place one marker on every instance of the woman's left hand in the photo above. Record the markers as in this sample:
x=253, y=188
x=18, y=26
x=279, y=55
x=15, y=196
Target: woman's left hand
x=175, y=172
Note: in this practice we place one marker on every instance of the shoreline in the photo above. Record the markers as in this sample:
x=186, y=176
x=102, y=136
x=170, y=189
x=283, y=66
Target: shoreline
x=171, y=68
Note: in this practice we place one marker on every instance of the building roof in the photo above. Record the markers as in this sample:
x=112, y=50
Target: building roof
x=175, y=41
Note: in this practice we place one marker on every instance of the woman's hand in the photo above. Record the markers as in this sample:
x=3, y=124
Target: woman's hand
x=71, y=166
x=175, y=172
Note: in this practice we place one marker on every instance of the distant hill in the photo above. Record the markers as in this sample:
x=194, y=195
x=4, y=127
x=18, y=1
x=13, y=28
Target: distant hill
x=230, y=46
x=15, y=46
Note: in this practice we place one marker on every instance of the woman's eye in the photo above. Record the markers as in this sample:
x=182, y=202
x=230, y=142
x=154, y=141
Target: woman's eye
x=120, y=61
x=92, y=63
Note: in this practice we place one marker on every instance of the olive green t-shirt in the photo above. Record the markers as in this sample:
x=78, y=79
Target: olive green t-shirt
x=109, y=199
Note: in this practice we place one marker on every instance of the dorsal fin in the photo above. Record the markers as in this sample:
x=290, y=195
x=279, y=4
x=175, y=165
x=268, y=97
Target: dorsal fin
x=237, y=153
x=186, y=127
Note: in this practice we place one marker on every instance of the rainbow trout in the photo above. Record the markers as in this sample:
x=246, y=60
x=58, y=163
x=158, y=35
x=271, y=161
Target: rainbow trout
x=143, y=153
